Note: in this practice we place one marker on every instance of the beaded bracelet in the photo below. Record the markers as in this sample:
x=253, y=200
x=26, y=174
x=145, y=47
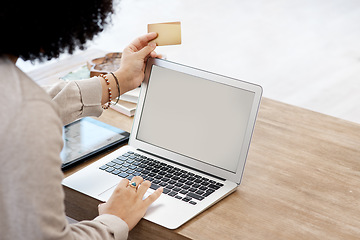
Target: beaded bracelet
x=118, y=86
x=109, y=91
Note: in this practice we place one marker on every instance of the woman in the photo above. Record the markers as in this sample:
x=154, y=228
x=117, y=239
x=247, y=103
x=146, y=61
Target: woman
x=31, y=195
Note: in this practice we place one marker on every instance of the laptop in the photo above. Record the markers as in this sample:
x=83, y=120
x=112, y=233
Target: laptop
x=191, y=135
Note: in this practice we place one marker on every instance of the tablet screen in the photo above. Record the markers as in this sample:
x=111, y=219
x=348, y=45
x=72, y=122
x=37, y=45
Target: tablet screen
x=86, y=137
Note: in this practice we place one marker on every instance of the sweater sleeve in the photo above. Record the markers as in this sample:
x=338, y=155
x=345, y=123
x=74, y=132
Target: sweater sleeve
x=36, y=209
x=76, y=99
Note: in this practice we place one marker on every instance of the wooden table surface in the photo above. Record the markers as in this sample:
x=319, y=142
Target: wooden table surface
x=301, y=178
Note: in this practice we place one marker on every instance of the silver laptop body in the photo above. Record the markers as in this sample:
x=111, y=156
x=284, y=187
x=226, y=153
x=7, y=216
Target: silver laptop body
x=192, y=120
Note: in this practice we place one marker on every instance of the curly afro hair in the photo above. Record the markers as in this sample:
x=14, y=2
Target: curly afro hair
x=43, y=29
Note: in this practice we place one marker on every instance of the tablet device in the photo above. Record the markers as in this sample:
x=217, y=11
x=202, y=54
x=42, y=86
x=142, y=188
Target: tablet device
x=87, y=137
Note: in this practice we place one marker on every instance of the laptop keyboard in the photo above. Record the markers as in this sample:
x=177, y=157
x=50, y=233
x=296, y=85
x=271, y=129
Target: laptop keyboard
x=177, y=183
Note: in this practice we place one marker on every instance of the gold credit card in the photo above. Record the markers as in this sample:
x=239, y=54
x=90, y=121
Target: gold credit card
x=168, y=33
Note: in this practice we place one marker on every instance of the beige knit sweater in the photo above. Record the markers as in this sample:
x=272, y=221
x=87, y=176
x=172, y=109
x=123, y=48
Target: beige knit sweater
x=31, y=195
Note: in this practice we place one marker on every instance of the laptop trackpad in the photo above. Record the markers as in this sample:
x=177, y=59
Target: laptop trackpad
x=107, y=194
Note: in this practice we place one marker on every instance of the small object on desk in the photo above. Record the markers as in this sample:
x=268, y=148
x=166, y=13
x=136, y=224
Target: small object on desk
x=104, y=65
x=79, y=73
x=87, y=137
x=131, y=96
x=127, y=108
x=168, y=33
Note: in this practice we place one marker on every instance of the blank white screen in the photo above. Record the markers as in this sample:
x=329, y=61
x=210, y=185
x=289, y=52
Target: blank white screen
x=195, y=117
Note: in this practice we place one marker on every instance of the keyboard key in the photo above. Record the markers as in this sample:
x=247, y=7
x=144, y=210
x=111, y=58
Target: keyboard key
x=163, y=184
x=208, y=192
x=174, y=177
x=213, y=186
x=172, y=182
x=172, y=194
x=198, y=180
x=122, y=158
x=192, y=189
x=196, y=196
x=186, y=199
x=158, y=176
x=116, y=172
x=178, y=197
x=156, y=181
x=117, y=166
x=110, y=169
x=205, y=183
x=136, y=174
x=110, y=164
x=166, y=190
x=189, y=183
x=123, y=175
x=200, y=192
x=103, y=167
x=219, y=184
x=132, y=167
x=154, y=186
x=165, y=179
x=184, y=192
x=192, y=202
x=117, y=161
x=182, y=180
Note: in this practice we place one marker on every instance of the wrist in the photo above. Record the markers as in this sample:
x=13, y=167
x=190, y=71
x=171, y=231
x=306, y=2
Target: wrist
x=123, y=81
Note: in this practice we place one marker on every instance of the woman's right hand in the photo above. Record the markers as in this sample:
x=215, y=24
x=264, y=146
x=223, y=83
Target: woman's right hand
x=127, y=201
x=133, y=60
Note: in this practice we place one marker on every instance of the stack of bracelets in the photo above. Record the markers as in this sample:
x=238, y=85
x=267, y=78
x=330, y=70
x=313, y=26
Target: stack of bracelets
x=106, y=106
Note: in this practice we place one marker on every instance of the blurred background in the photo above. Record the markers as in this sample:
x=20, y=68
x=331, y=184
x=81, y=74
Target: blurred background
x=302, y=52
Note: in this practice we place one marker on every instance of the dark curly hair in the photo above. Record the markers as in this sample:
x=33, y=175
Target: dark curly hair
x=43, y=29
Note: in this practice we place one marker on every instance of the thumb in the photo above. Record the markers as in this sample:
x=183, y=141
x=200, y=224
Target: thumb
x=144, y=52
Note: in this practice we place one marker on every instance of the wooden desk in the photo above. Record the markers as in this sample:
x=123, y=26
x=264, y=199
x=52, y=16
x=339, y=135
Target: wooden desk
x=301, y=179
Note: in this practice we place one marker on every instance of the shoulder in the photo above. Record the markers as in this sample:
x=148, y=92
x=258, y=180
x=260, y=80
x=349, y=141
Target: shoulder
x=27, y=114
x=18, y=91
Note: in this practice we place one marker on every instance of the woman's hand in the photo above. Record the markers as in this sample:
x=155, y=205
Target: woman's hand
x=127, y=201
x=132, y=66
x=133, y=59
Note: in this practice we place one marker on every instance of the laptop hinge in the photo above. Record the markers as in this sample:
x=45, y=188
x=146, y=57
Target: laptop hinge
x=169, y=160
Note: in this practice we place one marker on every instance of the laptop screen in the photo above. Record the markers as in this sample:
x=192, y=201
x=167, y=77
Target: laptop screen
x=201, y=119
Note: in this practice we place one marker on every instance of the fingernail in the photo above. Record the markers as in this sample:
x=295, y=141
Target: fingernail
x=152, y=44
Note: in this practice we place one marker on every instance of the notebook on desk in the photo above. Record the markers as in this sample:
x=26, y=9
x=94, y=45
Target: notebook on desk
x=191, y=135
